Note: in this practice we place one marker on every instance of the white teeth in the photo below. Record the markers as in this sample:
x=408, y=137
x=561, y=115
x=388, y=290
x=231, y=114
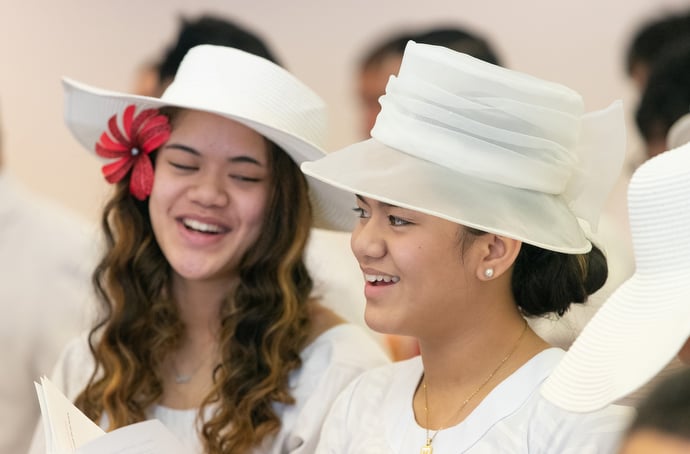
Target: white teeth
x=381, y=278
x=201, y=226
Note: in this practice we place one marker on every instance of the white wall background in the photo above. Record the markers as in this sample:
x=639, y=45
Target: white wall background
x=577, y=43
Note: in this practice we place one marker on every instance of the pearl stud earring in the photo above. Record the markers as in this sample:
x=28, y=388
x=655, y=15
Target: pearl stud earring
x=489, y=273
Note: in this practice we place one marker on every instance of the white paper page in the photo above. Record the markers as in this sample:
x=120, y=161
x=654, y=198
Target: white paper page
x=45, y=420
x=66, y=425
x=147, y=437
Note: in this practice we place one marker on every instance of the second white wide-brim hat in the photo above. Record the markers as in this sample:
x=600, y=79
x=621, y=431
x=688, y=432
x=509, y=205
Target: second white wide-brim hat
x=646, y=321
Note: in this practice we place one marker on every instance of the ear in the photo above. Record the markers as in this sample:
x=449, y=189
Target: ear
x=496, y=255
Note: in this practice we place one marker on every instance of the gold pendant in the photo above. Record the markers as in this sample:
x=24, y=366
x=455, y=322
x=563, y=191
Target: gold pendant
x=427, y=449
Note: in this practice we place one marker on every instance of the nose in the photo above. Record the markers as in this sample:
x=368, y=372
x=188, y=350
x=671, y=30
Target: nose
x=367, y=242
x=210, y=190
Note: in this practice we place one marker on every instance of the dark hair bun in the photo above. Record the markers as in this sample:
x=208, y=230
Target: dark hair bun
x=546, y=281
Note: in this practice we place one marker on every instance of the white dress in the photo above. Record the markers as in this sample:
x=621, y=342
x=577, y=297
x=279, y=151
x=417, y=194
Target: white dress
x=374, y=415
x=329, y=363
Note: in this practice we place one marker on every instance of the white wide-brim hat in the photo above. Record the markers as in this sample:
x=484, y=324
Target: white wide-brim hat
x=486, y=147
x=646, y=321
x=236, y=85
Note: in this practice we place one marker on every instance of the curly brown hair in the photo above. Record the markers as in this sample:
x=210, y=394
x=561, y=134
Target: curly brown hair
x=264, y=324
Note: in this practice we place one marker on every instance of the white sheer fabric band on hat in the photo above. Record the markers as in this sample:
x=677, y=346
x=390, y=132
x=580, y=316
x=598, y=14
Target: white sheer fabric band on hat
x=485, y=147
x=541, y=142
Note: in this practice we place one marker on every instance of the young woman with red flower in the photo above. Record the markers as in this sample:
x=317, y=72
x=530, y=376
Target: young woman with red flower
x=209, y=322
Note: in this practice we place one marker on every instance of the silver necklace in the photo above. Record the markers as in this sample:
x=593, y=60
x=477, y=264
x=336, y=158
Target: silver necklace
x=185, y=378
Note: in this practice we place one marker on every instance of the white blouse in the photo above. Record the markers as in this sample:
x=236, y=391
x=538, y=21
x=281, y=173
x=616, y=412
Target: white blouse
x=374, y=415
x=328, y=365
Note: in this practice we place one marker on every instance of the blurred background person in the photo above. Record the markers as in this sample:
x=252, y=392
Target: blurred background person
x=662, y=424
x=374, y=69
x=666, y=98
x=209, y=29
x=383, y=60
x=154, y=76
x=651, y=39
x=146, y=81
x=46, y=257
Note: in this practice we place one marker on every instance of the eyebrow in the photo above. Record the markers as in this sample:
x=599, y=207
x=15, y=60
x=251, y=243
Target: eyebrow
x=235, y=159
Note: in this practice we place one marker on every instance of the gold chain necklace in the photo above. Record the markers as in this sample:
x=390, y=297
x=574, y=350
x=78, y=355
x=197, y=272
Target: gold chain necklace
x=427, y=448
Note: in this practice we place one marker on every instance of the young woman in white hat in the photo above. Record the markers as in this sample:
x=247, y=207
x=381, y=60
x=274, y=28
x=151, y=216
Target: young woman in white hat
x=209, y=325
x=470, y=196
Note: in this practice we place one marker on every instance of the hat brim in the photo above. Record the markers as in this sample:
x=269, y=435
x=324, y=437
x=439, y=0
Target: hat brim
x=635, y=334
x=375, y=170
x=88, y=109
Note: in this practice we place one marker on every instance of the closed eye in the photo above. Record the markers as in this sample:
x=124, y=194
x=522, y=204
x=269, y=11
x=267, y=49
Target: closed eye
x=245, y=178
x=182, y=166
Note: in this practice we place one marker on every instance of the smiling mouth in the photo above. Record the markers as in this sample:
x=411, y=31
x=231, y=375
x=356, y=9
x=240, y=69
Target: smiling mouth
x=203, y=227
x=379, y=279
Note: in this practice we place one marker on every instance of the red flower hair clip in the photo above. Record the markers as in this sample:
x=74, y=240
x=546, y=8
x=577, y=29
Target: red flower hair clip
x=142, y=134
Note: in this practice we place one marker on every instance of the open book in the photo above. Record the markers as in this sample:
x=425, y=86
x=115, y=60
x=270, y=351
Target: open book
x=69, y=431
